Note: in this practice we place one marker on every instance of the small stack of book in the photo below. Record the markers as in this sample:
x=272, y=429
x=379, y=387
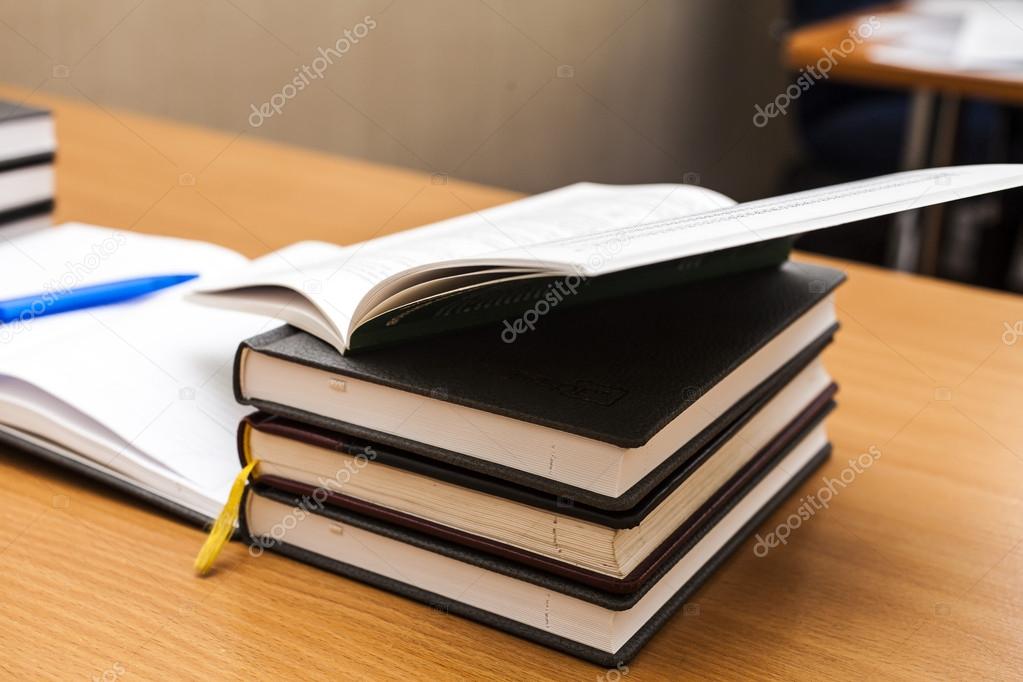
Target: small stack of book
x=629, y=382
x=574, y=487
x=27, y=148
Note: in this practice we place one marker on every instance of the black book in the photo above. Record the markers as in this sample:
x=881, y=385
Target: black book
x=607, y=628
x=613, y=551
x=27, y=148
x=599, y=403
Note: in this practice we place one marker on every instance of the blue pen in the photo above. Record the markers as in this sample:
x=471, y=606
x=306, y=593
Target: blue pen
x=53, y=302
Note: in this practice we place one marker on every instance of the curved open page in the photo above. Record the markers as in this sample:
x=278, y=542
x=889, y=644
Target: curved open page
x=580, y=231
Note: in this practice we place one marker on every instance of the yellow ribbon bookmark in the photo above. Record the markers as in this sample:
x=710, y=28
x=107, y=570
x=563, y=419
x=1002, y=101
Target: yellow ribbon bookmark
x=223, y=527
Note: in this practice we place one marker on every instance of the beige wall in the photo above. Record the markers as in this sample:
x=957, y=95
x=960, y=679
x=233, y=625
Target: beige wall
x=653, y=90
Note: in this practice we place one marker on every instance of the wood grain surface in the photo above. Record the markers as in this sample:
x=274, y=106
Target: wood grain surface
x=914, y=571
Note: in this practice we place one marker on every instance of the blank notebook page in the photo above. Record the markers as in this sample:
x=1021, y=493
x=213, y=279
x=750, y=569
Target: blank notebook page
x=151, y=376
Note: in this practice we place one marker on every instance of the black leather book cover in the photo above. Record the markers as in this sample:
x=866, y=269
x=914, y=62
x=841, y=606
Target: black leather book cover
x=682, y=341
x=24, y=212
x=616, y=372
x=11, y=111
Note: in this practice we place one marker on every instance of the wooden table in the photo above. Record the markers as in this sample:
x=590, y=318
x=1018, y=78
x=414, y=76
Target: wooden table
x=915, y=570
x=937, y=95
x=805, y=46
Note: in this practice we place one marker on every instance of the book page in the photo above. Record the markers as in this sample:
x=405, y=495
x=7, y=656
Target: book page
x=337, y=279
x=632, y=246
x=587, y=230
x=157, y=372
x=76, y=255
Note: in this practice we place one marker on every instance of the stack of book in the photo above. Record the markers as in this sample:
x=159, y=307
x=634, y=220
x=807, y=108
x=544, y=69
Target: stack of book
x=573, y=488
x=629, y=383
x=573, y=485
x=27, y=148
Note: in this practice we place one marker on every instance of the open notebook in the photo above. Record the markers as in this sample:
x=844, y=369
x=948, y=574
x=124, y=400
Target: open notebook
x=579, y=243
x=137, y=393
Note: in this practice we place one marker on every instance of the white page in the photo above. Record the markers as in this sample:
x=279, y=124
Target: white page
x=25, y=137
x=75, y=254
x=75, y=436
x=593, y=230
x=781, y=216
x=24, y=186
x=157, y=371
x=337, y=279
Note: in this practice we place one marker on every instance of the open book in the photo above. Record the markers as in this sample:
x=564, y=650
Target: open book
x=581, y=243
x=137, y=394
x=140, y=393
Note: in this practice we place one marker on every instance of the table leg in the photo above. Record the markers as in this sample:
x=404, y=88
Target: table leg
x=942, y=154
x=904, y=241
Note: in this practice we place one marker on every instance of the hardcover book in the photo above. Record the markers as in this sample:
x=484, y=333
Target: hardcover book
x=27, y=148
x=603, y=627
x=614, y=551
x=602, y=401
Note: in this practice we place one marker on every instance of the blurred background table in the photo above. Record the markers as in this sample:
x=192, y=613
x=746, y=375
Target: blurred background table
x=931, y=130
x=914, y=571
